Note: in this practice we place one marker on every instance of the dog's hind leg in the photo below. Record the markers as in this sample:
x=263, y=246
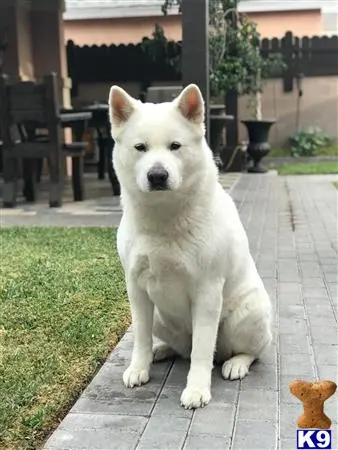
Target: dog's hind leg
x=237, y=366
x=247, y=341
x=161, y=350
x=169, y=340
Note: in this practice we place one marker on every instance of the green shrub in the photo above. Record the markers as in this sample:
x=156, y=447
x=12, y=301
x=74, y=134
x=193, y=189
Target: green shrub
x=308, y=142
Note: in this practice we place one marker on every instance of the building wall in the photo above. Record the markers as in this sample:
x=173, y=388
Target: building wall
x=132, y=30
x=318, y=107
x=120, y=31
x=301, y=23
x=25, y=48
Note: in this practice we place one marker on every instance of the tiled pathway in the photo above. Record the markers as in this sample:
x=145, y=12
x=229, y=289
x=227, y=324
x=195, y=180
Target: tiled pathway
x=101, y=208
x=292, y=228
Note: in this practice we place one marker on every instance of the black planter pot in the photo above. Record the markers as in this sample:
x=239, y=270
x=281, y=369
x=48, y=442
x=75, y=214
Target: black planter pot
x=258, y=147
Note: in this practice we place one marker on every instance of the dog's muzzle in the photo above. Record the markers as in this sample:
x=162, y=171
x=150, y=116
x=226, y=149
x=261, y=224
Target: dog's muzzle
x=158, y=178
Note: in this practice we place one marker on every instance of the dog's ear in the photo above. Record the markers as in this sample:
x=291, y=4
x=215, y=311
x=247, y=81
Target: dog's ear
x=121, y=106
x=190, y=104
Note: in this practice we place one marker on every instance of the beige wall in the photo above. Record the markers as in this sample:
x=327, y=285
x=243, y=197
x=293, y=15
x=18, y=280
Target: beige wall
x=25, y=39
x=49, y=53
x=318, y=107
x=301, y=23
x=18, y=54
x=132, y=30
x=120, y=31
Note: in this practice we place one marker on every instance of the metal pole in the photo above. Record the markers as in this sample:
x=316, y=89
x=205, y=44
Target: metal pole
x=195, y=51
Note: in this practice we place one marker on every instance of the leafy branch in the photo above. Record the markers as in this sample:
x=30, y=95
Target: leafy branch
x=235, y=59
x=161, y=50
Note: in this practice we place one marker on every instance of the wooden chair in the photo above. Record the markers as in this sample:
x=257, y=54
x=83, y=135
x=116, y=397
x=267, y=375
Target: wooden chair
x=24, y=107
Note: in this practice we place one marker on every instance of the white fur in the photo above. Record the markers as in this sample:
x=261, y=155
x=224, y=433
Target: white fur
x=191, y=280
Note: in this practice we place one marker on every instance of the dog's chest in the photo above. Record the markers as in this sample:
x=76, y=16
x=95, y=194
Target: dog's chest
x=163, y=271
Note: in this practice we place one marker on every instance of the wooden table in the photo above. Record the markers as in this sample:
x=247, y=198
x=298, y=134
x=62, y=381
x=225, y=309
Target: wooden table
x=218, y=121
x=100, y=121
x=68, y=117
x=77, y=121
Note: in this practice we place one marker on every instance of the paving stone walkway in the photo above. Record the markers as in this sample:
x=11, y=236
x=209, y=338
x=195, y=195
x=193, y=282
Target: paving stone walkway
x=292, y=228
x=99, y=209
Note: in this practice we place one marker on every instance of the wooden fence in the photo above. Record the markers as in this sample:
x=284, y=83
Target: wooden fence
x=315, y=56
x=118, y=63
x=309, y=57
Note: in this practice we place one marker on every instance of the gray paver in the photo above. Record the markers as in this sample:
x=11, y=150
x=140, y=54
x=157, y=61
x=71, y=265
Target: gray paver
x=167, y=402
x=98, y=432
x=164, y=434
x=289, y=412
x=178, y=374
x=326, y=355
x=255, y=434
x=324, y=334
x=296, y=364
x=201, y=442
x=259, y=412
x=215, y=421
x=259, y=404
x=288, y=444
x=262, y=376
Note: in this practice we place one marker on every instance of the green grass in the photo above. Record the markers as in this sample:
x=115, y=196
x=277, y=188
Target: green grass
x=324, y=151
x=308, y=168
x=335, y=184
x=279, y=153
x=63, y=308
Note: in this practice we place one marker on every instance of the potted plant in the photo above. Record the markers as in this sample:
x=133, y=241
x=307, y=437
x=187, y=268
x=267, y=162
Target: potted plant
x=259, y=70
x=237, y=64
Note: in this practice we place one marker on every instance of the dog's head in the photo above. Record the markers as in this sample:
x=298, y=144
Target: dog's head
x=158, y=147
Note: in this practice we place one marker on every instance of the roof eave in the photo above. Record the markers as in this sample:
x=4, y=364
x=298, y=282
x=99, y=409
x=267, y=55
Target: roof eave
x=115, y=13
x=259, y=6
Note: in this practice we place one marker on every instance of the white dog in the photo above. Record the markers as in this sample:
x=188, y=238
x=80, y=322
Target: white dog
x=191, y=280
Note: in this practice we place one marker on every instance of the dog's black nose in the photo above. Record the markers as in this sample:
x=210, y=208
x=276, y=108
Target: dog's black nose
x=157, y=177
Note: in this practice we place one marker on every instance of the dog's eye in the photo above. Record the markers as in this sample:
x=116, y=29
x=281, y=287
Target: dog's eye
x=175, y=146
x=141, y=147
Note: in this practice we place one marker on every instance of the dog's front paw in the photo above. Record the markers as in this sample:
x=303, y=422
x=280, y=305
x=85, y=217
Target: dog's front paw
x=135, y=376
x=195, y=397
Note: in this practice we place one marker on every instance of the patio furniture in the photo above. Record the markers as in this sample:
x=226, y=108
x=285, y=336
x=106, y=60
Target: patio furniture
x=26, y=107
x=218, y=123
x=100, y=121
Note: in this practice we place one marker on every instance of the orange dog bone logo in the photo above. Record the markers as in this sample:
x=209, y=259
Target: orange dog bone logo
x=313, y=396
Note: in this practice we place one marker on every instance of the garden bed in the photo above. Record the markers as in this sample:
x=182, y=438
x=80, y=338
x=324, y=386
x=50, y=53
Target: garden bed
x=63, y=309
